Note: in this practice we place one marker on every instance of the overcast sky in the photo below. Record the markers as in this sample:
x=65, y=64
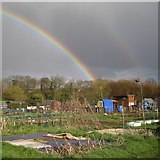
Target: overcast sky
x=114, y=40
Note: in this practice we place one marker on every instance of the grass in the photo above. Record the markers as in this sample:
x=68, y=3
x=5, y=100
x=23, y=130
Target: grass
x=31, y=129
x=136, y=146
x=132, y=147
x=119, y=147
x=69, y=122
x=10, y=151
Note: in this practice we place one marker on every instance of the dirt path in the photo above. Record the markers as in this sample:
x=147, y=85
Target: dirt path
x=118, y=131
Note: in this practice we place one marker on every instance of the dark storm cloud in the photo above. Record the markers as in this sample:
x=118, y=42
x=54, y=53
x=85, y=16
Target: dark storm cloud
x=1, y=41
x=110, y=38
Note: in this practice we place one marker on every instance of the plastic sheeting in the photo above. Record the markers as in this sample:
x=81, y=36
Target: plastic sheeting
x=120, y=108
x=108, y=105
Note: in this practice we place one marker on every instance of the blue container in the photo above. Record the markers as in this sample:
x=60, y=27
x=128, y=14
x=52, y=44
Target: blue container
x=108, y=105
x=145, y=105
x=120, y=108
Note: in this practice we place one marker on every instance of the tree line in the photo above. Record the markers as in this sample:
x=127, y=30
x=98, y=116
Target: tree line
x=34, y=91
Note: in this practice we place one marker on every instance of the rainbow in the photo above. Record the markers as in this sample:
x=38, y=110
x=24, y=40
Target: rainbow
x=54, y=40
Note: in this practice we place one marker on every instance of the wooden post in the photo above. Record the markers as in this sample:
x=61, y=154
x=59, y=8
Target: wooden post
x=143, y=107
x=123, y=117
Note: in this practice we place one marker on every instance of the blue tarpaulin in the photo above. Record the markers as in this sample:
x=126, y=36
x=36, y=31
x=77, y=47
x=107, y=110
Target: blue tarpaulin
x=108, y=105
x=145, y=105
x=119, y=108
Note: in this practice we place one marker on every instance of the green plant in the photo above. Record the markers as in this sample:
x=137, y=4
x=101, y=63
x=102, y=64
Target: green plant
x=10, y=151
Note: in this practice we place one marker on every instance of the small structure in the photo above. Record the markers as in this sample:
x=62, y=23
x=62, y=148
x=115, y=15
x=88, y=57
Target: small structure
x=118, y=103
x=32, y=108
x=127, y=101
x=149, y=104
x=106, y=104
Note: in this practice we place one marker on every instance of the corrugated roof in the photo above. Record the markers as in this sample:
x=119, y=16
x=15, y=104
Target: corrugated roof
x=150, y=100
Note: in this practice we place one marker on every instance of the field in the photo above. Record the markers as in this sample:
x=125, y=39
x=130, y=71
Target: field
x=139, y=142
x=129, y=147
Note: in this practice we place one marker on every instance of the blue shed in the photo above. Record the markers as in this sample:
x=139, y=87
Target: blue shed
x=108, y=105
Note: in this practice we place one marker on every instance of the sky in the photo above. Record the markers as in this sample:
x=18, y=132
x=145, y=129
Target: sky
x=112, y=40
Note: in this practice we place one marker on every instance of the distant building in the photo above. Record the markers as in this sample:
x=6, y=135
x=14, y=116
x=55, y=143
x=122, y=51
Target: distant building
x=108, y=106
x=150, y=104
x=127, y=101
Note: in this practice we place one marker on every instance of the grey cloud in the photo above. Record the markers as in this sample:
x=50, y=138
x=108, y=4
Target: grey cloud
x=108, y=37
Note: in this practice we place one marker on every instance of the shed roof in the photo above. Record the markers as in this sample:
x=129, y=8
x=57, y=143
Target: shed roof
x=150, y=100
